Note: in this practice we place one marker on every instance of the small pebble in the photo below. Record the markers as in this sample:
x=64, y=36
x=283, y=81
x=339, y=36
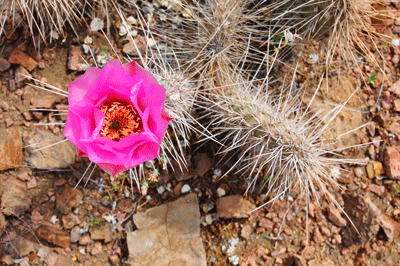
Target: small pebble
x=185, y=189
x=96, y=24
x=218, y=173
x=160, y=190
x=221, y=192
x=395, y=42
x=234, y=260
x=314, y=58
x=82, y=251
x=209, y=219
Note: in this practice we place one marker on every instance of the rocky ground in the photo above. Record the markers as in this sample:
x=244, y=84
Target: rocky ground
x=191, y=217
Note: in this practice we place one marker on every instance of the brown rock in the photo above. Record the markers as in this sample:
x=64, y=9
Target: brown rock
x=31, y=183
x=7, y=260
x=371, y=128
x=168, y=234
x=298, y=260
x=98, y=249
x=308, y=252
x=4, y=106
x=114, y=259
x=203, y=163
x=130, y=47
x=392, y=162
x=85, y=240
x=278, y=252
x=335, y=216
x=67, y=198
x=21, y=247
x=14, y=199
x=4, y=65
x=22, y=76
x=70, y=220
x=20, y=58
x=395, y=87
x=396, y=105
x=378, y=190
x=75, y=234
x=101, y=232
x=390, y=227
x=57, y=156
x=318, y=238
x=10, y=148
x=46, y=101
x=234, y=206
x=75, y=58
x=246, y=231
x=53, y=235
x=374, y=169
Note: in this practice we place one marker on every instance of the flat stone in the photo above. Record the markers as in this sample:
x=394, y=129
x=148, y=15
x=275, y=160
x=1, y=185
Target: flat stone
x=392, y=162
x=85, y=240
x=20, y=58
x=375, y=169
x=22, y=76
x=234, y=206
x=390, y=227
x=168, y=234
x=335, y=216
x=101, y=232
x=46, y=101
x=378, y=190
x=7, y=260
x=75, y=58
x=246, y=231
x=67, y=198
x=21, y=247
x=4, y=65
x=395, y=88
x=10, y=148
x=57, y=156
x=53, y=235
x=14, y=199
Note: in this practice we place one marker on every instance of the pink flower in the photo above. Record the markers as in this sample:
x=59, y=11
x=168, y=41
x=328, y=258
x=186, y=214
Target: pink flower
x=116, y=116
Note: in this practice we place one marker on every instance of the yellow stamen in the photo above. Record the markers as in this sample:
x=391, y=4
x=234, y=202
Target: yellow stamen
x=121, y=120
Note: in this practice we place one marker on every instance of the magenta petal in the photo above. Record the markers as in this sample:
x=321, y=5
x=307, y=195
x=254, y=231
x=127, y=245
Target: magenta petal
x=128, y=83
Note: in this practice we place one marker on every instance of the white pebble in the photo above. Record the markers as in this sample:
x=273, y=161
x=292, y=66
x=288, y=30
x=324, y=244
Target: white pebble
x=160, y=190
x=234, y=260
x=221, y=192
x=185, y=189
x=209, y=219
x=53, y=219
x=314, y=58
x=148, y=197
x=96, y=24
x=218, y=173
x=82, y=251
x=395, y=42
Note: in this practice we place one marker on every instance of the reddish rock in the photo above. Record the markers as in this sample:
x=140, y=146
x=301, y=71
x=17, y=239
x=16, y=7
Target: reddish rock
x=7, y=260
x=395, y=87
x=67, y=198
x=46, y=101
x=378, y=190
x=4, y=65
x=75, y=234
x=396, y=105
x=75, y=58
x=53, y=235
x=246, y=232
x=392, y=162
x=390, y=227
x=335, y=216
x=98, y=249
x=371, y=128
x=318, y=238
x=234, y=206
x=10, y=148
x=20, y=58
x=85, y=240
x=308, y=252
x=14, y=200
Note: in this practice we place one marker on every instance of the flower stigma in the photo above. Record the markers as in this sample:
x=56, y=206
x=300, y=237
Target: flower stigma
x=121, y=120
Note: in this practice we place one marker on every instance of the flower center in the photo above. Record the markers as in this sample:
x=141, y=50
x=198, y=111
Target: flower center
x=121, y=120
